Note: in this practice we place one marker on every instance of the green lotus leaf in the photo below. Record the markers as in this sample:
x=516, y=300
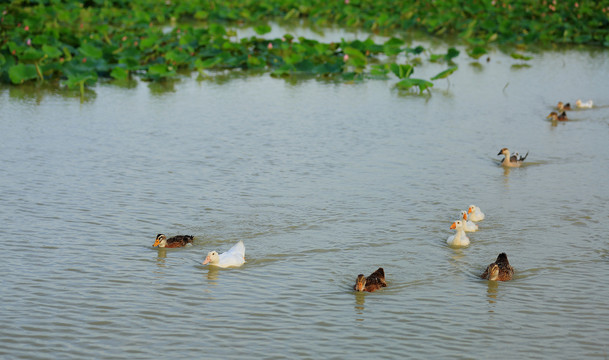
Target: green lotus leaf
x=518, y=56
x=262, y=29
x=477, y=52
x=22, y=72
x=51, y=51
x=90, y=51
x=119, y=73
x=402, y=71
x=445, y=73
x=31, y=54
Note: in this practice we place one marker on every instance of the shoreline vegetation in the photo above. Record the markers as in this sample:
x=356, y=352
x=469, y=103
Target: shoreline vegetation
x=75, y=43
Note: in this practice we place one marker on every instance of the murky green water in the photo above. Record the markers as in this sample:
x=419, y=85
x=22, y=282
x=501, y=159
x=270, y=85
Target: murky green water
x=322, y=182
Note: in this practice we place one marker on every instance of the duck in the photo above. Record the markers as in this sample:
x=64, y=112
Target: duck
x=512, y=161
x=500, y=270
x=459, y=239
x=175, y=241
x=375, y=281
x=474, y=213
x=235, y=257
x=584, y=105
x=555, y=117
x=563, y=107
x=468, y=225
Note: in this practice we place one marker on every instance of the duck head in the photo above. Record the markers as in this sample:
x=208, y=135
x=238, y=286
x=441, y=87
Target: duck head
x=553, y=115
x=503, y=151
x=457, y=225
x=502, y=259
x=211, y=258
x=464, y=215
x=161, y=241
x=360, y=283
x=493, y=272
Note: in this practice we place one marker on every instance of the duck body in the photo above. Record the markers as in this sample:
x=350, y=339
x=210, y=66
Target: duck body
x=468, y=225
x=375, y=281
x=563, y=107
x=460, y=238
x=513, y=160
x=234, y=257
x=500, y=270
x=474, y=213
x=556, y=117
x=584, y=105
x=173, y=242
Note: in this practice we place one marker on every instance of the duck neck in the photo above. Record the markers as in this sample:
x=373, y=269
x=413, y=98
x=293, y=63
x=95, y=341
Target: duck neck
x=460, y=234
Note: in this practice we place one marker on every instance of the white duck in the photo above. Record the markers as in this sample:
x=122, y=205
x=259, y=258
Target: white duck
x=468, y=225
x=475, y=214
x=584, y=105
x=459, y=239
x=235, y=256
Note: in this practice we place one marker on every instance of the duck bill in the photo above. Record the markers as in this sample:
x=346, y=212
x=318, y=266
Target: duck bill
x=464, y=216
x=156, y=243
x=453, y=226
x=207, y=259
x=500, y=152
x=470, y=210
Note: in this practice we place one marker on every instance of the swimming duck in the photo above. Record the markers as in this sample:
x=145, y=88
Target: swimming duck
x=235, y=256
x=474, y=213
x=172, y=242
x=375, y=281
x=459, y=239
x=555, y=117
x=512, y=161
x=500, y=270
x=563, y=107
x=468, y=225
x=584, y=105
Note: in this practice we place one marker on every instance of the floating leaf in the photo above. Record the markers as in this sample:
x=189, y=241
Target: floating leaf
x=379, y=71
x=406, y=84
x=477, y=52
x=262, y=29
x=451, y=54
x=445, y=73
x=518, y=56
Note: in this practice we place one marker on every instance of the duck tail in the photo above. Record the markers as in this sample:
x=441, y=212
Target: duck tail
x=502, y=259
x=524, y=157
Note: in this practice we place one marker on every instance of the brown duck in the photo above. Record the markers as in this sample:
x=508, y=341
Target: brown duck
x=375, y=281
x=563, y=107
x=557, y=117
x=500, y=270
x=172, y=242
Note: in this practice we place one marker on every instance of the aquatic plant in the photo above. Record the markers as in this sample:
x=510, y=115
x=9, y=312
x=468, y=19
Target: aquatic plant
x=81, y=42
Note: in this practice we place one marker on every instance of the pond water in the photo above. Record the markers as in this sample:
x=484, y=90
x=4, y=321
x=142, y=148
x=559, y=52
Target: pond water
x=322, y=181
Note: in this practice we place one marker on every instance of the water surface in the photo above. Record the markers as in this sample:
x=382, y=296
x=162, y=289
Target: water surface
x=322, y=181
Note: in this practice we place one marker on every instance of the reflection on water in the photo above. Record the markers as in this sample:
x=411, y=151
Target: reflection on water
x=212, y=274
x=491, y=291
